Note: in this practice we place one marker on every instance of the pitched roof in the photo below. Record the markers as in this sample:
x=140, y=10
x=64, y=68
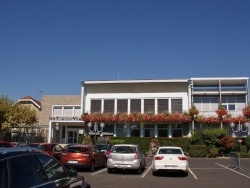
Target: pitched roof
x=34, y=101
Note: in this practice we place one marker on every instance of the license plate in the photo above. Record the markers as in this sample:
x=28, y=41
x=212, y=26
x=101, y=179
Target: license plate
x=72, y=161
x=169, y=167
x=121, y=165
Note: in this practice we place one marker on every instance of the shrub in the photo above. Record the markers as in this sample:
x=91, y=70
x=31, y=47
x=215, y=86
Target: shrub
x=211, y=136
x=198, y=151
x=226, y=144
x=213, y=152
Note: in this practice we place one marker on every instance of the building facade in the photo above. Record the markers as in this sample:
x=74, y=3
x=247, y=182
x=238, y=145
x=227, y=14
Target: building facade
x=143, y=108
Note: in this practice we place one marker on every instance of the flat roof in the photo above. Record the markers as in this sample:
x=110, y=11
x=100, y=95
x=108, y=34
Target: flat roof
x=133, y=81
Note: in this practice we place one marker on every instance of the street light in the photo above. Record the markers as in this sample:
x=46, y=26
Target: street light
x=239, y=129
x=95, y=129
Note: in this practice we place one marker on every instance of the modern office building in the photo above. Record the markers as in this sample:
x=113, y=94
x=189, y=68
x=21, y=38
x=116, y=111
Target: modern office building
x=144, y=108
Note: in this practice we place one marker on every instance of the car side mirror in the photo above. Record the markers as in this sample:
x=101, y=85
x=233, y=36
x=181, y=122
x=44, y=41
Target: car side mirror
x=72, y=172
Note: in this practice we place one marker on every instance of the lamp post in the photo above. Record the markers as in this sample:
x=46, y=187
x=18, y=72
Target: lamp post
x=239, y=128
x=95, y=128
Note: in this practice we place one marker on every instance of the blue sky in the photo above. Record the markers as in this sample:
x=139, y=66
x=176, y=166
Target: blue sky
x=53, y=45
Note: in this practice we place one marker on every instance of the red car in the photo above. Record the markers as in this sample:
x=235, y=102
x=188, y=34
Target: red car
x=82, y=156
x=54, y=150
x=4, y=144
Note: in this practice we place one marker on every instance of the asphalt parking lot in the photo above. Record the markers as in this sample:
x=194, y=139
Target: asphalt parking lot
x=205, y=173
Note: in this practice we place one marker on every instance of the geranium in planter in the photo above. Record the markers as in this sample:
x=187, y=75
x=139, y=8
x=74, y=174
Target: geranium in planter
x=221, y=111
x=246, y=111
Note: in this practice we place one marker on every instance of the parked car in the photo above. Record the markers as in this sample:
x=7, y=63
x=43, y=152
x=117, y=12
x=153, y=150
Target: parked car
x=19, y=144
x=126, y=156
x=24, y=167
x=83, y=156
x=4, y=144
x=54, y=150
x=105, y=148
x=170, y=159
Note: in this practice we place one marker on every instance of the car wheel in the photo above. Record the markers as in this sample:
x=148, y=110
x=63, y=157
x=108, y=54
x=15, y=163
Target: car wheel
x=92, y=167
x=105, y=164
x=154, y=173
x=109, y=170
x=185, y=173
x=139, y=170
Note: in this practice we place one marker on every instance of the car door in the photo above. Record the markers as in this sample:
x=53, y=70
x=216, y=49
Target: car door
x=99, y=156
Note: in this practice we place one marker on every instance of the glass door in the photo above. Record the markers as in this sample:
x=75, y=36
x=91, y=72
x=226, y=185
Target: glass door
x=72, y=136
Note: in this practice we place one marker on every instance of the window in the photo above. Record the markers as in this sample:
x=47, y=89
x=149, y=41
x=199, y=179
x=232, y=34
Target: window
x=57, y=111
x=176, y=105
x=162, y=130
x=26, y=172
x=96, y=106
x=149, y=106
x=109, y=106
x=162, y=105
x=121, y=130
x=122, y=105
x=68, y=111
x=135, y=130
x=149, y=130
x=52, y=168
x=177, y=131
x=135, y=105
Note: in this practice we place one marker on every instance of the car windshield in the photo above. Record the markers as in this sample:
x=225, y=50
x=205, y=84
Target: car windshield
x=169, y=151
x=41, y=147
x=123, y=149
x=76, y=149
x=102, y=147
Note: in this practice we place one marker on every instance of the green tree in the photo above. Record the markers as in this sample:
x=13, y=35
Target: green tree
x=14, y=114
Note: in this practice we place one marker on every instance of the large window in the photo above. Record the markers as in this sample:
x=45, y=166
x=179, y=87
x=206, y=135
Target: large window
x=109, y=106
x=122, y=105
x=149, y=130
x=135, y=105
x=135, y=130
x=162, y=105
x=177, y=131
x=176, y=105
x=121, y=130
x=96, y=106
x=149, y=106
x=162, y=130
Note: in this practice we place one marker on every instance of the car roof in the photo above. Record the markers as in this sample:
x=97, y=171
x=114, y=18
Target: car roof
x=126, y=145
x=170, y=147
x=9, y=152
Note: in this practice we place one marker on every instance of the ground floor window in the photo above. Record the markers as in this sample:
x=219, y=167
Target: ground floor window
x=121, y=130
x=177, y=130
x=163, y=130
x=135, y=130
x=149, y=130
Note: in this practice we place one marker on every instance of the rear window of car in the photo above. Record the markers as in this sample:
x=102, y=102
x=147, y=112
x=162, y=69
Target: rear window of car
x=123, y=149
x=76, y=149
x=170, y=151
x=103, y=147
x=42, y=147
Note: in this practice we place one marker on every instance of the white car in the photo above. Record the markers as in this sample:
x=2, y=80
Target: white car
x=170, y=159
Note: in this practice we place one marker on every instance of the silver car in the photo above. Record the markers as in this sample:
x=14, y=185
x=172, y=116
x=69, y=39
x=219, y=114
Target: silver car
x=125, y=157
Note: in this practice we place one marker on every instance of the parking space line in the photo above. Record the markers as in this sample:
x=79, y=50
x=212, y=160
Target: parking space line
x=144, y=174
x=99, y=171
x=195, y=177
x=233, y=170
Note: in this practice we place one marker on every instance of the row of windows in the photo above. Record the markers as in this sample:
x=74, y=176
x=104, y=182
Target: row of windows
x=211, y=103
x=66, y=111
x=149, y=105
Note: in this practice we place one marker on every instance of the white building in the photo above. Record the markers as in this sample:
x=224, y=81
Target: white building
x=149, y=97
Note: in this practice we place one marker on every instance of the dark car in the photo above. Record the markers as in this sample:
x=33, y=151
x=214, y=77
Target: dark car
x=54, y=150
x=82, y=156
x=4, y=144
x=105, y=148
x=25, y=167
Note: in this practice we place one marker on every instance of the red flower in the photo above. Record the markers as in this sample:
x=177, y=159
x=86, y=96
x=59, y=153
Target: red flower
x=246, y=111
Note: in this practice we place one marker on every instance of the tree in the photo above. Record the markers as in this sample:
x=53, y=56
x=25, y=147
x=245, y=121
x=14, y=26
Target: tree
x=5, y=104
x=14, y=114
